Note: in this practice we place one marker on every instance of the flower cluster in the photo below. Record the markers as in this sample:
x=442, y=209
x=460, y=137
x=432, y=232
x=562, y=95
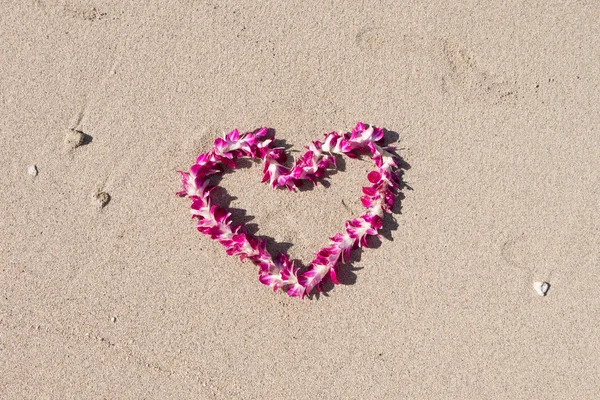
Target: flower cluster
x=280, y=273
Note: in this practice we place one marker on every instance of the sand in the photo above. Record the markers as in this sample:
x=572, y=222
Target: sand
x=108, y=292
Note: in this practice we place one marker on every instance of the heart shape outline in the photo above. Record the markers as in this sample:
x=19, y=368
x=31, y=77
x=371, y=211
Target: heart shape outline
x=280, y=273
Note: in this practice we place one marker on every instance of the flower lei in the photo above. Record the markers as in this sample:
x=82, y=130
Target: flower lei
x=280, y=272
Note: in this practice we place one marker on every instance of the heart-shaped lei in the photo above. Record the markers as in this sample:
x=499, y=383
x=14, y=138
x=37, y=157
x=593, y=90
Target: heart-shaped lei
x=280, y=273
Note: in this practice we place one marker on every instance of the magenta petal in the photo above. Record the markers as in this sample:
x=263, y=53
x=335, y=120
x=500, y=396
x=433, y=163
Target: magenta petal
x=375, y=220
x=261, y=133
x=220, y=144
x=369, y=191
x=233, y=136
x=314, y=276
x=374, y=176
x=219, y=214
x=270, y=280
x=296, y=290
x=283, y=261
x=366, y=201
x=358, y=129
x=333, y=276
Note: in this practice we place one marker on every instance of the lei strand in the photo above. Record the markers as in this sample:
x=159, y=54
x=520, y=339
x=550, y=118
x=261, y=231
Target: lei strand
x=280, y=273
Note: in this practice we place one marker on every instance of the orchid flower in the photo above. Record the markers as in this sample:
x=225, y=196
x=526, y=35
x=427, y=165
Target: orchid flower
x=280, y=273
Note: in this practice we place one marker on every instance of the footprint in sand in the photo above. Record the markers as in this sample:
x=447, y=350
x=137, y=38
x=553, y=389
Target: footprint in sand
x=373, y=40
x=530, y=254
x=464, y=76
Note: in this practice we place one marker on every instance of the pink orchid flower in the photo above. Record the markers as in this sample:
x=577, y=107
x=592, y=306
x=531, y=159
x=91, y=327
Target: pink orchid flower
x=280, y=273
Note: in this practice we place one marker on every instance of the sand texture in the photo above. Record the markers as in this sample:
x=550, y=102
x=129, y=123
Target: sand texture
x=107, y=291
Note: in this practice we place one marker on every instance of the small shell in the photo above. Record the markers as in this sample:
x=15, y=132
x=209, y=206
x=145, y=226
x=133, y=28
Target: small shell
x=541, y=288
x=32, y=170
